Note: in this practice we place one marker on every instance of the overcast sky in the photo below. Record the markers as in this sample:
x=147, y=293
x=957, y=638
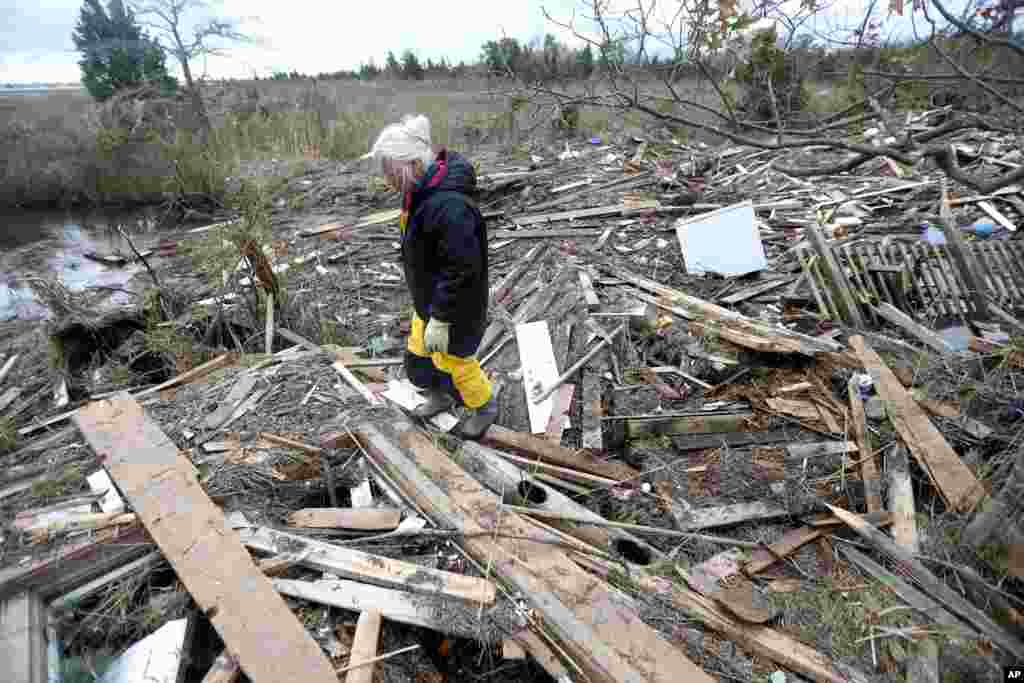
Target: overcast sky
x=310, y=36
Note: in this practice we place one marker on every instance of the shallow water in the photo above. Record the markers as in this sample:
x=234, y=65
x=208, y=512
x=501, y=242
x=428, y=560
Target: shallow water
x=53, y=244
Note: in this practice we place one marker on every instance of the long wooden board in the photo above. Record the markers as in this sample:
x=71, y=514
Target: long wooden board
x=363, y=519
x=599, y=631
x=859, y=431
x=956, y=482
x=251, y=617
x=501, y=438
x=367, y=567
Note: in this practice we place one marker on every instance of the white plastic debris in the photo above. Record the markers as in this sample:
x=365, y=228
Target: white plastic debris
x=154, y=659
x=778, y=677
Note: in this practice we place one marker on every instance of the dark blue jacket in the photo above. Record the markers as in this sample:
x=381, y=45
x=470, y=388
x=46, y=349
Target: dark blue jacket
x=444, y=252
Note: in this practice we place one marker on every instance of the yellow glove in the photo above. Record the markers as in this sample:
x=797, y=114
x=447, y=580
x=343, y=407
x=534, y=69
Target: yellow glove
x=435, y=337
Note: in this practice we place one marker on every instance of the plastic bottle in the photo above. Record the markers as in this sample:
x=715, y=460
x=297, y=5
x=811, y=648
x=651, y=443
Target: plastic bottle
x=981, y=229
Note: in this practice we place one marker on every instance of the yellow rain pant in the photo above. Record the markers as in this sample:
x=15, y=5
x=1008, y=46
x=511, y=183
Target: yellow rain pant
x=466, y=374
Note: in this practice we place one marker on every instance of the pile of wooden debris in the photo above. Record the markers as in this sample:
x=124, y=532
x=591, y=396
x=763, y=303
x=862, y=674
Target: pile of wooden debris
x=752, y=428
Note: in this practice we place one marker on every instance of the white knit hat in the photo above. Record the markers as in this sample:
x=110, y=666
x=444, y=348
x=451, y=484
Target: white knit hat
x=405, y=141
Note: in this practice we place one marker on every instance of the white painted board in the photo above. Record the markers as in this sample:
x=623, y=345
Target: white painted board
x=726, y=241
x=540, y=370
x=154, y=659
x=99, y=481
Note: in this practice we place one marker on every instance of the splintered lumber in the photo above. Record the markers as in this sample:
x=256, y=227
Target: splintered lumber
x=596, y=629
x=901, y=499
x=503, y=289
x=382, y=571
x=575, y=367
x=500, y=438
x=513, y=483
x=955, y=481
x=803, y=451
x=432, y=612
x=924, y=654
x=184, y=378
x=932, y=585
x=23, y=639
x=74, y=564
x=6, y=369
x=859, y=431
x=793, y=540
x=802, y=410
x=913, y=328
x=364, y=646
x=8, y=397
x=727, y=515
x=756, y=639
x=225, y=669
x=162, y=487
x=589, y=295
x=362, y=519
x=527, y=311
x=751, y=292
x=537, y=467
x=728, y=325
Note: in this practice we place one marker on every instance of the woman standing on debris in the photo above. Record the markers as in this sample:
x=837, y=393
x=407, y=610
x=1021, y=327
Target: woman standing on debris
x=444, y=252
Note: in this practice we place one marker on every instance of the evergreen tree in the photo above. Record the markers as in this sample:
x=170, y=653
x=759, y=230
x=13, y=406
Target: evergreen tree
x=411, y=67
x=392, y=66
x=115, y=52
x=585, y=61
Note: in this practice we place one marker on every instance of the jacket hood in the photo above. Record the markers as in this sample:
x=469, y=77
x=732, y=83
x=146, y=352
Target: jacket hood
x=449, y=172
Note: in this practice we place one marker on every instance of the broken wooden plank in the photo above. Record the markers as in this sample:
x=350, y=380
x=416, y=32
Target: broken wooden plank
x=162, y=487
x=727, y=515
x=500, y=438
x=8, y=366
x=589, y=294
x=539, y=370
x=932, y=585
x=515, y=484
x=794, y=539
x=915, y=329
x=363, y=518
x=756, y=639
x=696, y=442
x=367, y=567
x=364, y=646
x=859, y=432
x=756, y=290
x=425, y=611
x=23, y=639
x=909, y=594
x=731, y=326
x=801, y=410
x=602, y=634
x=8, y=397
x=184, y=378
x=956, y=482
x=627, y=427
x=996, y=215
x=803, y=451
x=571, y=475
x=575, y=367
x=901, y=499
x=503, y=289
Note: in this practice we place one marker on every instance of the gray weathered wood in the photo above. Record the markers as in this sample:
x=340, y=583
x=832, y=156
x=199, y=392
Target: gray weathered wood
x=367, y=567
x=726, y=515
x=512, y=482
x=800, y=451
x=432, y=612
x=932, y=585
x=913, y=328
x=646, y=426
x=23, y=639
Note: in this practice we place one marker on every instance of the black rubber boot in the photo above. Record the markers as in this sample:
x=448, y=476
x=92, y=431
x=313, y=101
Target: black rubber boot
x=437, y=403
x=479, y=421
